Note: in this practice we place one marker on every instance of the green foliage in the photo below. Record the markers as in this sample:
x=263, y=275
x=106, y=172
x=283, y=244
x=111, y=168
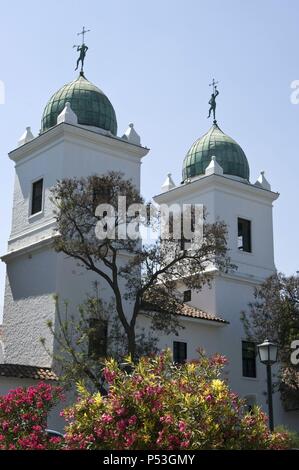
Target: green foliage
x=275, y=315
x=151, y=274
x=293, y=436
x=159, y=405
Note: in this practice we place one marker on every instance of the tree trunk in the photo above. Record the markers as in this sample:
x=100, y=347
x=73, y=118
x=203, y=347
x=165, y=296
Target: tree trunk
x=131, y=343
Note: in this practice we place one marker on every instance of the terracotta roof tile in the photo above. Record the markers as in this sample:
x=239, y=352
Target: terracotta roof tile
x=189, y=311
x=28, y=372
x=192, y=312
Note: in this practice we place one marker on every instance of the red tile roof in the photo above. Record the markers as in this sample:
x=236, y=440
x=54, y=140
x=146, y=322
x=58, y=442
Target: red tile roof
x=189, y=311
x=27, y=372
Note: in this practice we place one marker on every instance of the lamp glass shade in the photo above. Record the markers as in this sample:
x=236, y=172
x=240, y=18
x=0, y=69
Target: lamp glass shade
x=268, y=352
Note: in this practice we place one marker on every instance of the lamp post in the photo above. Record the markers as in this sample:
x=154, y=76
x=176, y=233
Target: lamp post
x=268, y=356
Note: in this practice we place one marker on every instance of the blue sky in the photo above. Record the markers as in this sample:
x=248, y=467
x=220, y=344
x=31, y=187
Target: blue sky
x=154, y=59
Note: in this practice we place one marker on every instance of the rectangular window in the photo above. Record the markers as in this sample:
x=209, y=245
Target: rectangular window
x=186, y=242
x=179, y=352
x=101, y=195
x=97, y=345
x=244, y=235
x=37, y=197
x=248, y=359
x=187, y=295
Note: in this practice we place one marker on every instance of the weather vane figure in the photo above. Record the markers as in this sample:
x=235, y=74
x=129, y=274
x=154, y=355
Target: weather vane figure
x=82, y=49
x=212, y=101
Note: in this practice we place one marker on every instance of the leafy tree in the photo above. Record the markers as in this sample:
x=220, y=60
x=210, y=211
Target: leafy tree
x=143, y=277
x=85, y=338
x=275, y=315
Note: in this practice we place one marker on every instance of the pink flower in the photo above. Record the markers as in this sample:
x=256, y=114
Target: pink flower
x=109, y=375
x=138, y=395
x=99, y=432
x=130, y=440
x=16, y=428
x=156, y=406
x=185, y=444
x=174, y=440
x=167, y=419
x=5, y=425
x=153, y=390
x=132, y=420
x=37, y=428
x=182, y=426
x=219, y=360
x=121, y=411
x=55, y=440
x=122, y=425
x=209, y=398
x=107, y=418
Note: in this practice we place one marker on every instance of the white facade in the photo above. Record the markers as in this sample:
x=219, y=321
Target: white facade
x=35, y=272
x=227, y=199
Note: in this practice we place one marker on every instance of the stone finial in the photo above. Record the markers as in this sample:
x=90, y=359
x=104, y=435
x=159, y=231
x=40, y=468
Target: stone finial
x=168, y=184
x=214, y=168
x=26, y=137
x=131, y=135
x=67, y=115
x=262, y=182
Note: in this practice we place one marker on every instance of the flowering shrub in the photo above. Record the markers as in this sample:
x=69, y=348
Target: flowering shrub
x=163, y=406
x=23, y=418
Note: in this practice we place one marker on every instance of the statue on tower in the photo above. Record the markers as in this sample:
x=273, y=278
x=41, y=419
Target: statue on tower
x=212, y=101
x=82, y=49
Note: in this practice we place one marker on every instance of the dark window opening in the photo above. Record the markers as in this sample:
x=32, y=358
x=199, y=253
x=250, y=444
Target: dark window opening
x=187, y=295
x=185, y=242
x=244, y=235
x=101, y=195
x=97, y=345
x=37, y=197
x=179, y=352
x=248, y=359
x=250, y=403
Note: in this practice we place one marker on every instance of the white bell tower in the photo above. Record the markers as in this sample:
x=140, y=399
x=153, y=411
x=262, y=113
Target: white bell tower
x=216, y=175
x=78, y=139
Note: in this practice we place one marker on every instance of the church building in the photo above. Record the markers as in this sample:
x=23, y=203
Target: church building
x=79, y=138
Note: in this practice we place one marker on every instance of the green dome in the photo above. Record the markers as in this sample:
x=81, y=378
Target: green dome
x=91, y=106
x=228, y=154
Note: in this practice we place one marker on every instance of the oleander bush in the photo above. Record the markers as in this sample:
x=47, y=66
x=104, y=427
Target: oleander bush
x=23, y=418
x=159, y=405
x=293, y=436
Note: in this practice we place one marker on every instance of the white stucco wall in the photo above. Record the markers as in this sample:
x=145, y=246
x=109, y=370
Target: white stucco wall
x=29, y=304
x=34, y=271
x=226, y=200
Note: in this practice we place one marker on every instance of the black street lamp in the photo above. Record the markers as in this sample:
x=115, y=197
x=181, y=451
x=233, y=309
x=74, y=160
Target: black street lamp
x=268, y=356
